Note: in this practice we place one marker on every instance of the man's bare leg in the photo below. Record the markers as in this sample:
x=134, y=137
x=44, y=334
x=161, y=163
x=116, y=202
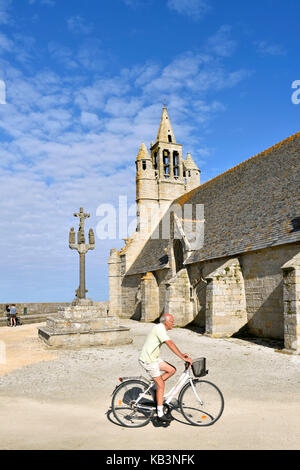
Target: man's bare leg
x=160, y=388
x=168, y=370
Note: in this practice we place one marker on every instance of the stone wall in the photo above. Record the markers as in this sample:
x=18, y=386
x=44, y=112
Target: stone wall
x=35, y=308
x=40, y=308
x=149, y=298
x=178, y=298
x=39, y=312
x=264, y=289
x=162, y=277
x=131, y=297
x=225, y=300
x=291, y=300
x=115, y=279
x=263, y=282
x=251, y=300
x=198, y=273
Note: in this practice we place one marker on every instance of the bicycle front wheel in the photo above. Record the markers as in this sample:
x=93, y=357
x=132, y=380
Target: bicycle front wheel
x=204, y=406
x=131, y=406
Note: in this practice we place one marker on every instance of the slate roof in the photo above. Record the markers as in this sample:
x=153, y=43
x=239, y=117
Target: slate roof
x=252, y=206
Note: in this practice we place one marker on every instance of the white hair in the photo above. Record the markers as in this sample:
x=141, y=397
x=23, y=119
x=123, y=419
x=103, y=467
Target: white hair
x=164, y=317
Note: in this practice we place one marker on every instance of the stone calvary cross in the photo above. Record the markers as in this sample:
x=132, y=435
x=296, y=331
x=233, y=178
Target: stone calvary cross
x=82, y=249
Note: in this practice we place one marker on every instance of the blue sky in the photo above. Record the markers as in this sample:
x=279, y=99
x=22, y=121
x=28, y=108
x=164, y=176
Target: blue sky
x=85, y=83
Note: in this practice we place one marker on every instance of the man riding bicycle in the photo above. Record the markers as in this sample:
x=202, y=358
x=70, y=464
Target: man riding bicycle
x=151, y=362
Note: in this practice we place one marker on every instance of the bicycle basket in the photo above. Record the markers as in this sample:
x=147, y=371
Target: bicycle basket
x=199, y=367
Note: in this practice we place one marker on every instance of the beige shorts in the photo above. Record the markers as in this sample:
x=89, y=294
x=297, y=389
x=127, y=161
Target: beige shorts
x=152, y=367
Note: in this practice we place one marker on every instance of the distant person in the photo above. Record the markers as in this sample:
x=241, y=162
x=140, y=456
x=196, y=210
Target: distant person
x=7, y=311
x=13, y=314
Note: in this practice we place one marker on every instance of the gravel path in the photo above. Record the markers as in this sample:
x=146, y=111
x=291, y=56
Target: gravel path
x=261, y=389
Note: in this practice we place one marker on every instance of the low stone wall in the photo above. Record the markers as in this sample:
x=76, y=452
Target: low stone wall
x=38, y=312
x=35, y=308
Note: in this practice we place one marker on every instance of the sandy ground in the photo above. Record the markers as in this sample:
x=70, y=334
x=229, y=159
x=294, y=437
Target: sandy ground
x=61, y=399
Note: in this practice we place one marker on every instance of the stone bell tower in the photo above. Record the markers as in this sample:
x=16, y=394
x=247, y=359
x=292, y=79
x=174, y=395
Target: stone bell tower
x=162, y=177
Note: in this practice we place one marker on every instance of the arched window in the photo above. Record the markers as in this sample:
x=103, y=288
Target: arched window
x=144, y=165
x=170, y=138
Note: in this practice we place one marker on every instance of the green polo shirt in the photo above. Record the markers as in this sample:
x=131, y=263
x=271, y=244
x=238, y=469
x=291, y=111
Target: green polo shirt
x=157, y=336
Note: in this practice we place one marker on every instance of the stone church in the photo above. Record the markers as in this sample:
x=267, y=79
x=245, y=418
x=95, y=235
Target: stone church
x=244, y=277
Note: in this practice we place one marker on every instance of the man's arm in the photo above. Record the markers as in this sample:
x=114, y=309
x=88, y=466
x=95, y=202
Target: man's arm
x=176, y=351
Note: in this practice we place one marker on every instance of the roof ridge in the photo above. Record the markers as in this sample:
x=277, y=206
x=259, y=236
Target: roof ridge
x=186, y=196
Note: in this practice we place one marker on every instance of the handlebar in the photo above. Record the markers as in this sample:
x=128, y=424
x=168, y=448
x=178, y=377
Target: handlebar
x=187, y=365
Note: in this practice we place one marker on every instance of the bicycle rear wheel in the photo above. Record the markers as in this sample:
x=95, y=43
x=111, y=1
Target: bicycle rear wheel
x=124, y=406
x=203, y=408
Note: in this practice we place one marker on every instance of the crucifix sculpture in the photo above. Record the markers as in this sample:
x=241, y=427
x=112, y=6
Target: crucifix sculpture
x=82, y=249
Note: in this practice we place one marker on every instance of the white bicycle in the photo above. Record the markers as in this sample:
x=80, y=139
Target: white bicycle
x=201, y=402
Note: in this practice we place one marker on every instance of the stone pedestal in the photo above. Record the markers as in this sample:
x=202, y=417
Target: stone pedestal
x=83, y=324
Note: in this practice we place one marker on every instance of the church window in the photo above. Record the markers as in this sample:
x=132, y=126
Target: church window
x=170, y=138
x=144, y=165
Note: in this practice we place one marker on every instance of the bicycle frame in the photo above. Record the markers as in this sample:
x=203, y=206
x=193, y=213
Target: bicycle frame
x=183, y=379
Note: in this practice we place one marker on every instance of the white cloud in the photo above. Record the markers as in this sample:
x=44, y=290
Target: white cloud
x=265, y=48
x=4, y=11
x=136, y=3
x=68, y=142
x=193, y=8
x=6, y=44
x=90, y=55
x=50, y=3
x=221, y=43
x=90, y=120
x=77, y=24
